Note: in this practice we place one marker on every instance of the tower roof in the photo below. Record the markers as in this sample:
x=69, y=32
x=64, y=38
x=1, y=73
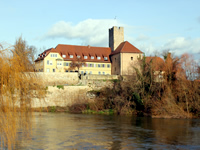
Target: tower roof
x=126, y=47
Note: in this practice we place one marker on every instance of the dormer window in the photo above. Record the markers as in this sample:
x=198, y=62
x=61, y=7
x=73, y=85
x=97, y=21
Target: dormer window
x=70, y=56
x=64, y=56
x=85, y=57
x=78, y=56
x=98, y=57
x=53, y=55
x=92, y=57
x=105, y=58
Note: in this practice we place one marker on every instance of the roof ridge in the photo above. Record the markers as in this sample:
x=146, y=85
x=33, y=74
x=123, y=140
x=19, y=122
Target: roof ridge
x=123, y=44
x=80, y=46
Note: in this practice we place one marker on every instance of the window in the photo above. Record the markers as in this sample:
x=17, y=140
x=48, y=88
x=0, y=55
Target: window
x=71, y=56
x=81, y=72
x=98, y=57
x=85, y=57
x=54, y=70
x=99, y=65
x=50, y=62
x=83, y=65
x=66, y=64
x=86, y=72
x=91, y=65
x=64, y=56
x=59, y=63
x=105, y=58
x=103, y=73
x=66, y=70
x=103, y=65
x=53, y=55
x=92, y=57
x=108, y=65
x=99, y=72
x=78, y=56
x=90, y=72
x=131, y=58
x=48, y=70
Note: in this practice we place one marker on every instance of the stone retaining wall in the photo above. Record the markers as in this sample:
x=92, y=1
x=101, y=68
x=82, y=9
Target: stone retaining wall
x=58, y=78
x=62, y=97
x=70, y=94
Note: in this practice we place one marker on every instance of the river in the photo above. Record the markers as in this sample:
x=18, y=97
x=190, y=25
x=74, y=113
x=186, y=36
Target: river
x=58, y=131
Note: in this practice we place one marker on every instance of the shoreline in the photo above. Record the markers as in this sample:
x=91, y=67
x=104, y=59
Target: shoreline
x=58, y=109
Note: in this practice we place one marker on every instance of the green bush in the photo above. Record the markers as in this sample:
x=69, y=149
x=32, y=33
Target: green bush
x=60, y=87
x=52, y=109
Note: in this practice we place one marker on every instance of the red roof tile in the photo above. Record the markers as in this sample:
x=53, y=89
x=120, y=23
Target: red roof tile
x=126, y=47
x=81, y=51
x=157, y=62
x=44, y=54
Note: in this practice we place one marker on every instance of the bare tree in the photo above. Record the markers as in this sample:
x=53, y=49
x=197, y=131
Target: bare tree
x=77, y=64
x=24, y=53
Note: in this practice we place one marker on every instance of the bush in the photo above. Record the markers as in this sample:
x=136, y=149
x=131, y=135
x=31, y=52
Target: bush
x=60, y=87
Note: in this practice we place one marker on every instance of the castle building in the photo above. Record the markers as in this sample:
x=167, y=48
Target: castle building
x=117, y=59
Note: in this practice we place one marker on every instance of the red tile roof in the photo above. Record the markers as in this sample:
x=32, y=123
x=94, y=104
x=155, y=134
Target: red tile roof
x=102, y=52
x=157, y=62
x=81, y=51
x=44, y=54
x=126, y=47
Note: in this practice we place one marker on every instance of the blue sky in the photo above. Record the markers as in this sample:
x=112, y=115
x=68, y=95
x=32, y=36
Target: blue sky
x=150, y=25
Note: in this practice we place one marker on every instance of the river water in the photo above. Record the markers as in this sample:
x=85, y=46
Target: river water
x=58, y=131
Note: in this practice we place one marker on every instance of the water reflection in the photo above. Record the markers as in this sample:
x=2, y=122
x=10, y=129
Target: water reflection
x=78, y=131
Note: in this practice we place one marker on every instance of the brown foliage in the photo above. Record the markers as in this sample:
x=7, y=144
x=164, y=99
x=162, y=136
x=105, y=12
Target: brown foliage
x=174, y=96
x=16, y=92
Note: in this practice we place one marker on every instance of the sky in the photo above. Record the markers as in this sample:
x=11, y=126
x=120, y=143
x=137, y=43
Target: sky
x=153, y=26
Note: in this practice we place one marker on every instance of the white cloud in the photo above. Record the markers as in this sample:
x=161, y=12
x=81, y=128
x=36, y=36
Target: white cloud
x=90, y=31
x=182, y=45
x=94, y=32
x=177, y=45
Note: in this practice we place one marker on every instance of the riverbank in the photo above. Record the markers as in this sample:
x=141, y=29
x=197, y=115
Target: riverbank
x=81, y=110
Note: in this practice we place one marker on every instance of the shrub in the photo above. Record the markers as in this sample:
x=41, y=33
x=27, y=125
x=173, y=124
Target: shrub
x=60, y=87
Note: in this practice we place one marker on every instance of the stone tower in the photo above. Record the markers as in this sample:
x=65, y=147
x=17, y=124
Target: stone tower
x=116, y=37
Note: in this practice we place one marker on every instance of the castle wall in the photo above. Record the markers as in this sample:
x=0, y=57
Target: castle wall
x=128, y=62
x=58, y=78
x=72, y=90
x=62, y=97
x=116, y=66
